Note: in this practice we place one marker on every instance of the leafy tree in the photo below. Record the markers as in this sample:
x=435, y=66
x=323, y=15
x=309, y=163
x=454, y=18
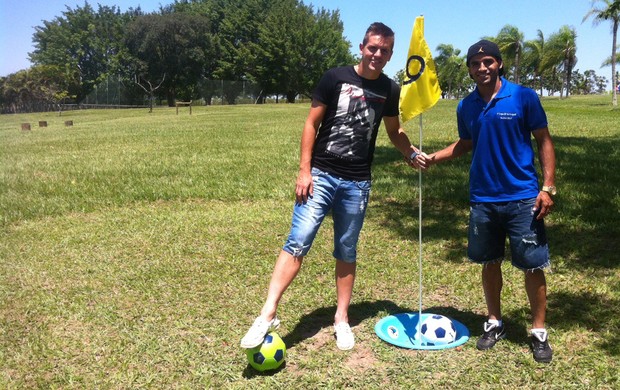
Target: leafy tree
x=238, y=29
x=608, y=11
x=16, y=94
x=51, y=84
x=562, y=53
x=37, y=89
x=323, y=46
x=82, y=40
x=176, y=45
x=280, y=45
x=296, y=47
x=587, y=83
x=452, y=72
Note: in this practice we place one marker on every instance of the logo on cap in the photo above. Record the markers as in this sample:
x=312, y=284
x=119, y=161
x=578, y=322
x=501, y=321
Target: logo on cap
x=481, y=50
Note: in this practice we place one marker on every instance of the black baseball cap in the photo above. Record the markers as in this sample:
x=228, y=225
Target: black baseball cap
x=484, y=47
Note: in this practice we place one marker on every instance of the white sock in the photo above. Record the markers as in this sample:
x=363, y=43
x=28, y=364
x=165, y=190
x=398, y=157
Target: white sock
x=539, y=333
x=497, y=323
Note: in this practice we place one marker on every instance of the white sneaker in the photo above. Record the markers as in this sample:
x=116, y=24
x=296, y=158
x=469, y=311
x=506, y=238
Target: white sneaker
x=345, y=339
x=256, y=334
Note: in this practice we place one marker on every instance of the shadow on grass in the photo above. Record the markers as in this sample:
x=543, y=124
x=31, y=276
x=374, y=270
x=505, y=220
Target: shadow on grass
x=312, y=323
x=583, y=230
x=566, y=310
x=250, y=372
x=592, y=311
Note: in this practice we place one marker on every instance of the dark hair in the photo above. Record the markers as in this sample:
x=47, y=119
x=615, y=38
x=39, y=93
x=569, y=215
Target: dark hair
x=378, y=28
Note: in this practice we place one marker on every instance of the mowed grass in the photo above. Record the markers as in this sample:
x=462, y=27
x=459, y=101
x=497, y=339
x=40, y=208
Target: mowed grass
x=136, y=249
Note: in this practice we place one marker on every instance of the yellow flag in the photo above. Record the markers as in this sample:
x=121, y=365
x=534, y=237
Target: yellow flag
x=420, y=90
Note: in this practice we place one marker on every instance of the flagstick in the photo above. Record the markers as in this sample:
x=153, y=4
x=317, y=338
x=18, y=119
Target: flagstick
x=420, y=238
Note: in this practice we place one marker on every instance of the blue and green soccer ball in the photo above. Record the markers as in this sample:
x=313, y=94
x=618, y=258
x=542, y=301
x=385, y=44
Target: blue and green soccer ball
x=269, y=355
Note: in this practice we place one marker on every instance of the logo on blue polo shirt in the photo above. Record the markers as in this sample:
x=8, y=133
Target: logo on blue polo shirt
x=506, y=115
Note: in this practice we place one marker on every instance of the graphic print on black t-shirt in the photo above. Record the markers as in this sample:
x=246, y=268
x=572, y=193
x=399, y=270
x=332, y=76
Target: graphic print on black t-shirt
x=352, y=129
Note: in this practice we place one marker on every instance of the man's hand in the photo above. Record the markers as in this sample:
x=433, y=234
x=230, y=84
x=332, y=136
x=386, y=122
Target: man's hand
x=304, y=187
x=421, y=161
x=544, y=203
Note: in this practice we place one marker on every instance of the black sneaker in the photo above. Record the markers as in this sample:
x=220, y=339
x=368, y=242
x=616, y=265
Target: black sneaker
x=540, y=348
x=492, y=334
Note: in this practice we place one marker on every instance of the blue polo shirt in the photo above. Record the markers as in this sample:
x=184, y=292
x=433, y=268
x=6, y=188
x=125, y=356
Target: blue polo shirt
x=502, y=167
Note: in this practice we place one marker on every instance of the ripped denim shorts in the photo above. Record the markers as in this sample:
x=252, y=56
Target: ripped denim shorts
x=490, y=223
x=346, y=200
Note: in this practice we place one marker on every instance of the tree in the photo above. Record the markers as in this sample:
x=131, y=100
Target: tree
x=608, y=11
x=82, y=40
x=534, y=58
x=140, y=81
x=51, y=84
x=296, y=47
x=238, y=29
x=323, y=47
x=608, y=61
x=451, y=71
x=37, y=89
x=510, y=42
x=176, y=45
x=562, y=53
x=280, y=45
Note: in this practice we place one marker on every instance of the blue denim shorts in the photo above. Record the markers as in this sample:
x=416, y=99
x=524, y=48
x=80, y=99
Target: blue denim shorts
x=346, y=199
x=490, y=223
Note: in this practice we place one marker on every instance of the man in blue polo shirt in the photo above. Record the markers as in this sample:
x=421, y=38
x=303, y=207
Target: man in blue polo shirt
x=496, y=122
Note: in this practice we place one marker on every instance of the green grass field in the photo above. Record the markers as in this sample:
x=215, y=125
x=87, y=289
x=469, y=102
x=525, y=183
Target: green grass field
x=136, y=249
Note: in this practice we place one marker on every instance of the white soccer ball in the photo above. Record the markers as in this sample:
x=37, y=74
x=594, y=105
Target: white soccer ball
x=437, y=330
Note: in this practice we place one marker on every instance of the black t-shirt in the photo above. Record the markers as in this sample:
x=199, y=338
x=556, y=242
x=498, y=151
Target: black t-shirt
x=345, y=143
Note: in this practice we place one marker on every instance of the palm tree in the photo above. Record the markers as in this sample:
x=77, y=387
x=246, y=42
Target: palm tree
x=608, y=61
x=510, y=42
x=451, y=70
x=534, y=52
x=562, y=49
x=610, y=11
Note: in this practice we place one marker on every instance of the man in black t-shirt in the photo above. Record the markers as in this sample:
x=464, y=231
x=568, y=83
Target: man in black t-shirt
x=337, y=148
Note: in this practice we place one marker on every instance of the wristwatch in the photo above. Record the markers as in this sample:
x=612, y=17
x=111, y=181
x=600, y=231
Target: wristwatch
x=550, y=190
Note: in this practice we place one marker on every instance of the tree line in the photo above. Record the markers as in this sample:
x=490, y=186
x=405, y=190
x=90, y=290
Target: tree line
x=282, y=46
x=546, y=65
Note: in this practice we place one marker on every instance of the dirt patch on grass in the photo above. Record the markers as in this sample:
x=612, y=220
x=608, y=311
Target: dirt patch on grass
x=362, y=359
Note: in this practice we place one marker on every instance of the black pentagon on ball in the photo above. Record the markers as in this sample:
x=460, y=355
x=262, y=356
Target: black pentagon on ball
x=279, y=355
x=424, y=327
x=258, y=358
x=440, y=332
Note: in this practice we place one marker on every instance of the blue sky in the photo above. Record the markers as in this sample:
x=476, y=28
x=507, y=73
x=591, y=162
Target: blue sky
x=456, y=22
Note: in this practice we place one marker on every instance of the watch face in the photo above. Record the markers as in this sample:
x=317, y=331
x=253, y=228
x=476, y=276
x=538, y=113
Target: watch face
x=550, y=189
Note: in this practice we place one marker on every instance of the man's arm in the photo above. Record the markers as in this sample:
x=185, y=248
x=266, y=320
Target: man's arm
x=400, y=140
x=546, y=155
x=457, y=149
x=303, y=186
